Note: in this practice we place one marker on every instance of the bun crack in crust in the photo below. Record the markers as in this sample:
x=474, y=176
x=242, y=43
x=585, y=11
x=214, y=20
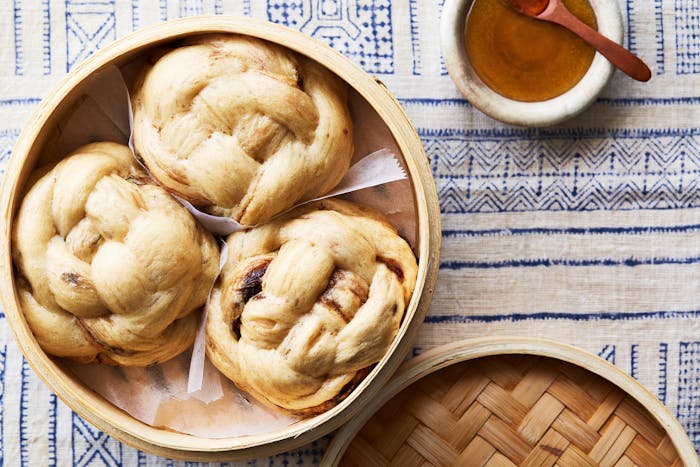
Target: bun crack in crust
x=306, y=303
x=241, y=127
x=110, y=267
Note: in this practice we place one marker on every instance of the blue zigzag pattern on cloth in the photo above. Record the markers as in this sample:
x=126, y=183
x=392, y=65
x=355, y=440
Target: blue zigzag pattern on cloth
x=23, y=417
x=89, y=445
x=608, y=353
x=163, y=7
x=7, y=141
x=3, y=361
x=511, y=172
x=144, y=460
x=663, y=372
x=135, y=15
x=630, y=36
x=191, y=7
x=360, y=29
x=687, y=36
x=52, y=435
x=415, y=41
x=415, y=31
x=659, y=31
x=634, y=361
x=689, y=389
x=18, y=25
x=89, y=24
x=311, y=454
x=46, y=36
x=634, y=18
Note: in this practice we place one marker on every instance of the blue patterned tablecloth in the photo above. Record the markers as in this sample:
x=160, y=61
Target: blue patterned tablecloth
x=587, y=232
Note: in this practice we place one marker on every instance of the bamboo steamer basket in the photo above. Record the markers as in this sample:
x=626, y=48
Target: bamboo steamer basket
x=97, y=410
x=512, y=401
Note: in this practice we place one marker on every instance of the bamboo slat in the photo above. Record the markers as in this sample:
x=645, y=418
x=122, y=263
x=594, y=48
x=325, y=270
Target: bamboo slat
x=512, y=409
x=507, y=422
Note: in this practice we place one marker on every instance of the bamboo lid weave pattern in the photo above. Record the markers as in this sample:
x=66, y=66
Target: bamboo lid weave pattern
x=512, y=410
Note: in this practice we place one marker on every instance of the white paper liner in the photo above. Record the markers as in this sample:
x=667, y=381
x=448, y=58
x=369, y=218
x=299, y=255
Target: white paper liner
x=188, y=394
x=197, y=362
x=378, y=168
x=157, y=395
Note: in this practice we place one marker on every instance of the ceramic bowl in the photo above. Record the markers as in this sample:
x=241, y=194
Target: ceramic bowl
x=541, y=113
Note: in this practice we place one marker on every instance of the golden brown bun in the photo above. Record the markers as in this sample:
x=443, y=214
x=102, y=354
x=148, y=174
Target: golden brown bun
x=110, y=266
x=306, y=303
x=242, y=127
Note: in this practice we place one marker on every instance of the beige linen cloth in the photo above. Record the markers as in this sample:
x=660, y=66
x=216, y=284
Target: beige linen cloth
x=587, y=232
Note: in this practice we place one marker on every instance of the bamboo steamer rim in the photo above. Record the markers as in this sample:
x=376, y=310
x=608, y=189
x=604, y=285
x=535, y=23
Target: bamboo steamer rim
x=471, y=349
x=102, y=413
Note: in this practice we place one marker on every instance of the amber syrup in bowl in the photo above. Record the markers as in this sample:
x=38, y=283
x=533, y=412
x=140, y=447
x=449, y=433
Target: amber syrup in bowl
x=523, y=58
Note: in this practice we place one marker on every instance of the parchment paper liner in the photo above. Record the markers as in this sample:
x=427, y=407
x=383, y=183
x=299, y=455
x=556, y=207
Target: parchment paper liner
x=160, y=395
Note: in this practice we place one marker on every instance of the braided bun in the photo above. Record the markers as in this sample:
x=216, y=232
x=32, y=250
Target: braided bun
x=306, y=303
x=242, y=127
x=110, y=266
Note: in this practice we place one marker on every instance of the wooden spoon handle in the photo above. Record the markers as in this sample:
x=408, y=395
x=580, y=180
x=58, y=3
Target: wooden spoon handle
x=622, y=58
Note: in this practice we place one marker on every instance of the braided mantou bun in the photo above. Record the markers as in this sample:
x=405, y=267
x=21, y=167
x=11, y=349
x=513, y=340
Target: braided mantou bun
x=242, y=127
x=110, y=267
x=306, y=303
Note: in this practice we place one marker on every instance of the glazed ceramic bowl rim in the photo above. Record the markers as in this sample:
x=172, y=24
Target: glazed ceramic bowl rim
x=97, y=410
x=542, y=113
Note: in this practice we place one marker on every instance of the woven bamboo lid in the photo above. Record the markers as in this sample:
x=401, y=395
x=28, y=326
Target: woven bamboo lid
x=504, y=402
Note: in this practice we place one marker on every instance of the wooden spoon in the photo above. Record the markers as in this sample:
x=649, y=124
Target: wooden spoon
x=555, y=12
